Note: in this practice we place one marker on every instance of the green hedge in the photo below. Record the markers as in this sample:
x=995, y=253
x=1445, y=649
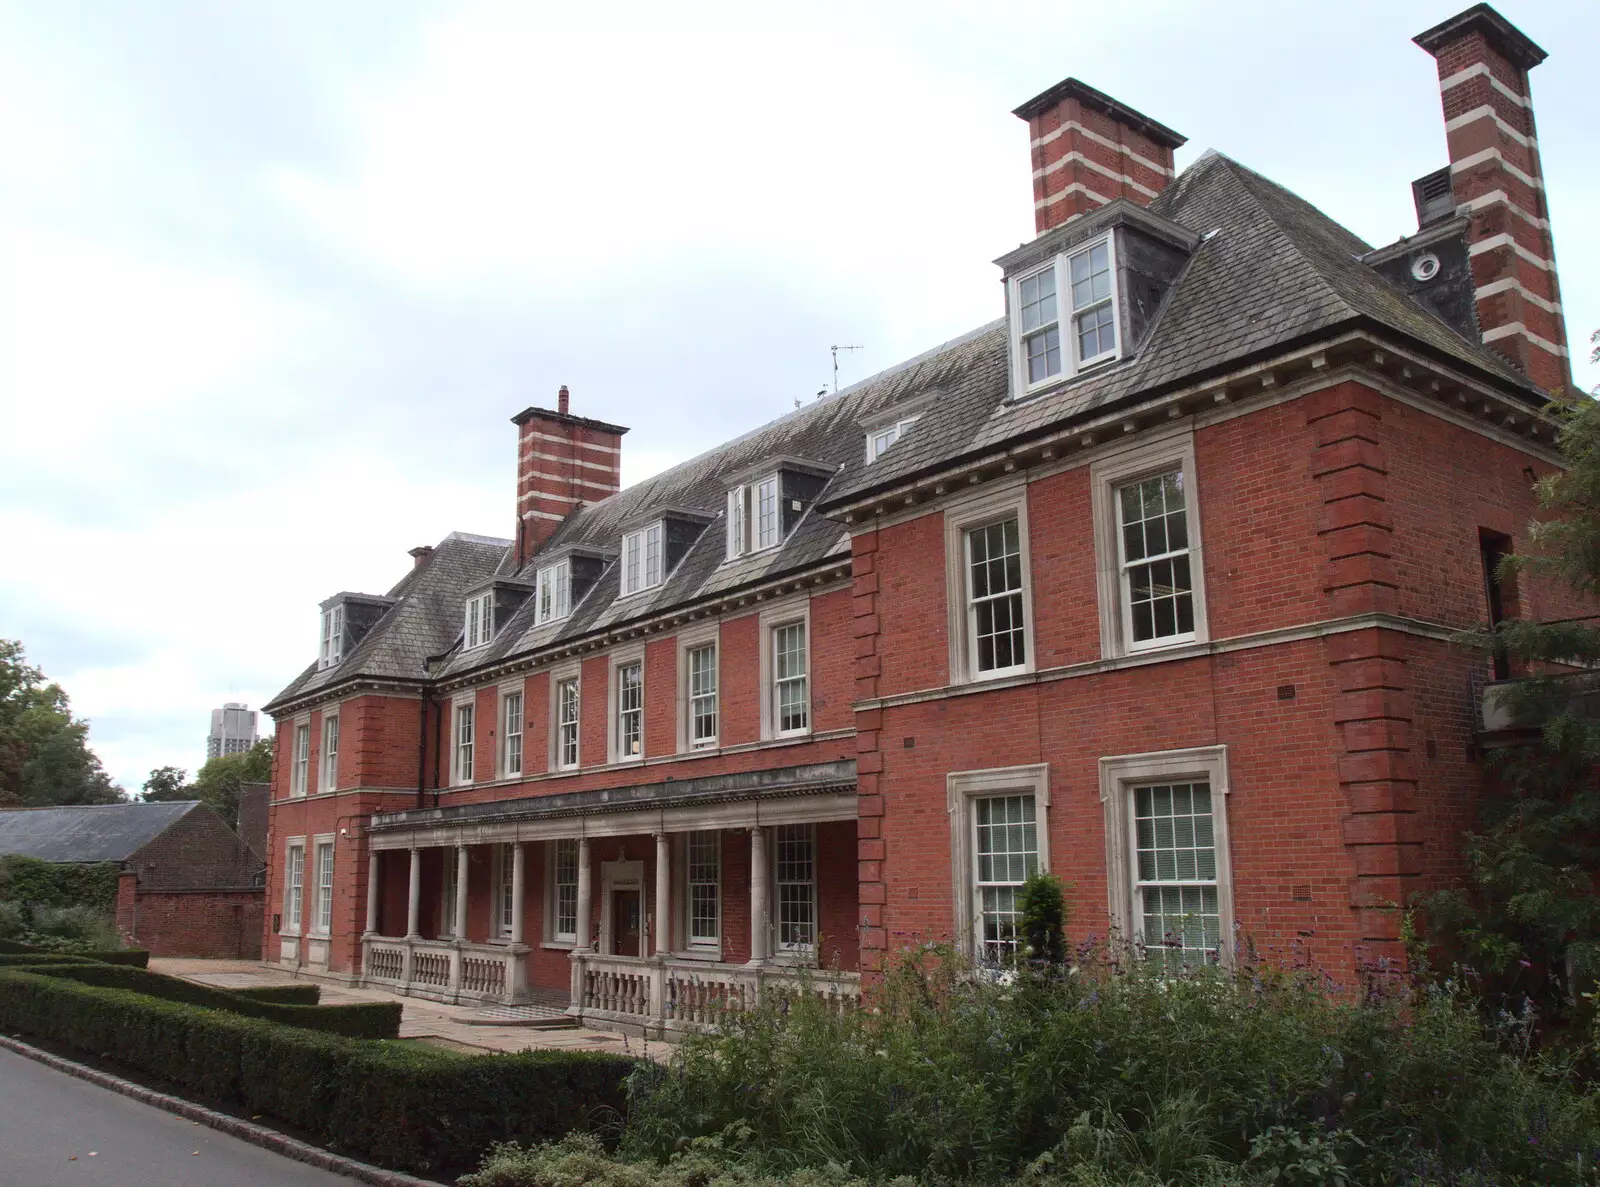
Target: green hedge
x=49, y=884
x=285, y=995
x=38, y=959
x=401, y=1105
x=136, y=957
x=363, y=1020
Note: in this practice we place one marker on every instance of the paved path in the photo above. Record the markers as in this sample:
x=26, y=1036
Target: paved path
x=434, y=1022
x=48, y=1118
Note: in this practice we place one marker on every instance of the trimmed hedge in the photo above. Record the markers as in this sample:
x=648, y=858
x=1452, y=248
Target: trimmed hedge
x=10, y=960
x=401, y=1105
x=51, y=884
x=363, y=1020
x=136, y=957
x=284, y=995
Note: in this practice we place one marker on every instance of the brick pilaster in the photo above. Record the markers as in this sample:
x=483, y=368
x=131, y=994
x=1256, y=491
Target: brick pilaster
x=871, y=854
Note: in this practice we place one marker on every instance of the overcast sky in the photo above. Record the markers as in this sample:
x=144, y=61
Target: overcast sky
x=274, y=276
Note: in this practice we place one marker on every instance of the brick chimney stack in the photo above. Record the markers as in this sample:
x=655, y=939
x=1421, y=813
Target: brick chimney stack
x=1088, y=149
x=1497, y=181
x=563, y=461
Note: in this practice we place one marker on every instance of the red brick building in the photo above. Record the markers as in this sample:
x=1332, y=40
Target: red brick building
x=1149, y=582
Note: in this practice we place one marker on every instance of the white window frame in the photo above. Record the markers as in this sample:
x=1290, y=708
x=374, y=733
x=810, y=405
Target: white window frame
x=552, y=909
x=705, y=945
x=619, y=660
x=503, y=901
x=644, y=558
x=961, y=517
x=1106, y=475
x=322, y=897
x=477, y=627
x=747, y=532
x=332, y=649
x=513, y=729
x=806, y=951
x=781, y=614
x=880, y=439
x=300, y=759
x=328, y=761
x=448, y=881
x=962, y=790
x=689, y=641
x=463, y=750
x=558, y=676
x=294, y=885
x=1119, y=775
x=553, y=591
x=1066, y=317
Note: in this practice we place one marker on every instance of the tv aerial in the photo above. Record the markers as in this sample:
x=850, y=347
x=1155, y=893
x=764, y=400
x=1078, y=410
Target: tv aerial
x=835, y=351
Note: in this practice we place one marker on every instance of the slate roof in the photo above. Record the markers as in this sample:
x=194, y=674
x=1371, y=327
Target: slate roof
x=1272, y=272
x=88, y=832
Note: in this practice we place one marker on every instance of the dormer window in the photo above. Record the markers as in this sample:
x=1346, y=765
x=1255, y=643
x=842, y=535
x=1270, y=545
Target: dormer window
x=753, y=520
x=479, y=627
x=1064, y=314
x=555, y=592
x=332, y=637
x=643, y=563
x=879, y=440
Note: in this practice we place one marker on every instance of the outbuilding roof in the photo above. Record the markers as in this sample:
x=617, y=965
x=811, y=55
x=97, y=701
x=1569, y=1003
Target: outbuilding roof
x=87, y=832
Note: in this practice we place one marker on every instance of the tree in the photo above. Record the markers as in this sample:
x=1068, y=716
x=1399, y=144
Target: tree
x=1043, y=907
x=217, y=783
x=1527, y=923
x=44, y=754
x=168, y=783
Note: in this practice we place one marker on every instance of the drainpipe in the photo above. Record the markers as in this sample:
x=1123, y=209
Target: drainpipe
x=422, y=735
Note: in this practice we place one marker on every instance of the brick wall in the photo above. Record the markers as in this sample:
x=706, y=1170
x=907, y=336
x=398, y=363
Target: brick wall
x=214, y=924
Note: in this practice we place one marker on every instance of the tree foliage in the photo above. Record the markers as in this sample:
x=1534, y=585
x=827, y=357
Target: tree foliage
x=44, y=753
x=1528, y=921
x=1043, y=906
x=167, y=783
x=217, y=783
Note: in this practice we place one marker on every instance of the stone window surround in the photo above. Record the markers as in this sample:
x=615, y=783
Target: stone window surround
x=961, y=789
x=328, y=773
x=1105, y=475
x=1119, y=773
x=299, y=776
x=457, y=702
x=783, y=612
x=960, y=517
x=615, y=660
x=291, y=925
x=688, y=639
x=505, y=688
x=314, y=928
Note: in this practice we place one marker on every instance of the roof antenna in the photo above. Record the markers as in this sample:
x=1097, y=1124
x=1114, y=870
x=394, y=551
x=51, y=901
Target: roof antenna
x=836, y=350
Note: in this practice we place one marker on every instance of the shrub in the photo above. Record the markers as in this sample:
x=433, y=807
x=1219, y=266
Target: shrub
x=287, y=995
x=91, y=885
x=363, y=1020
x=1100, y=1070
x=80, y=927
x=29, y=960
x=401, y=1105
x=137, y=957
x=13, y=920
x=1043, y=907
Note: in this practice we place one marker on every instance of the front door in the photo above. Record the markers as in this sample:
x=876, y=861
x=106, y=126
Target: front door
x=626, y=918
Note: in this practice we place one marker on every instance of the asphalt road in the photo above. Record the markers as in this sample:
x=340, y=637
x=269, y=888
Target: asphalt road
x=48, y=1117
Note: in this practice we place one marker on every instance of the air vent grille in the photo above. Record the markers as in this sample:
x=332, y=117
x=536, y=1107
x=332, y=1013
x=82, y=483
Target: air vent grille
x=1433, y=197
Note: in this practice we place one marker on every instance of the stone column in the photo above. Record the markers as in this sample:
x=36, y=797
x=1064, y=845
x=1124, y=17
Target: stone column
x=758, y=896
x=663, y=894
x=414, y=902
x=374, y=885
x=585, y=894
x=461, y=894
x=518, y=884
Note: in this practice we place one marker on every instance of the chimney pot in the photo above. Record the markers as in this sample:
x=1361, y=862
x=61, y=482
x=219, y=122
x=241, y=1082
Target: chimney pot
x=563, y=401
x=419, y=555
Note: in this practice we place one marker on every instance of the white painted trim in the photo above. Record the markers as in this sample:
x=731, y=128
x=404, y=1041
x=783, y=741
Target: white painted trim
x=1477, y=68
x=1076, y=187
x=543, y=515
x=1090, y=134
x=528, y=455
x=507, y=688
x=328, y=779
x=1478, y=113
x=1473, y=160
x=1066, y=330
x=314, y=926
x=570, y=441
x=1153, y=455
x=961, y=788
x=293, y=926
x=615, y=661
x=1078, y=158
x=468, y=697
x=1517, y=327
x=1504, y=239
x=558, y=676
x=1510, y=284
x=1117, y=775
x=960, y=517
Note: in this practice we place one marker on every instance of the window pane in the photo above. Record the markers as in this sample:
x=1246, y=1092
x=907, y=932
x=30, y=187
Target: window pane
x=630, y=710
x=791, y=693
x=995, y=580
x=1044, y=354
x=704, y=877
x=1005, y=855
x=1180, y=919
x=1038, y=294
x=1155, y=525
x=795, y=875
x=703, y=694
x=767, y=513
x=566, y=888
x=1097, y=334
x=652, y=556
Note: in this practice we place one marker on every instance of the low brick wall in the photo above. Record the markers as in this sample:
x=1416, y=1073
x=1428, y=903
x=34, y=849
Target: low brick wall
x=223, y=924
